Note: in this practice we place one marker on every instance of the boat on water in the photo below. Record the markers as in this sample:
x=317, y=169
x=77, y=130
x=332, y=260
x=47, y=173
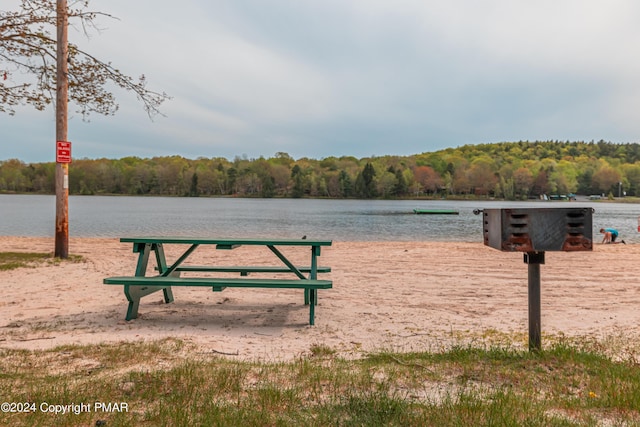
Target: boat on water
x=436, y=211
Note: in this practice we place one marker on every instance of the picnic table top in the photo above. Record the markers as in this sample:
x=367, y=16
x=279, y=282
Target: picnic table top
x=225, y=241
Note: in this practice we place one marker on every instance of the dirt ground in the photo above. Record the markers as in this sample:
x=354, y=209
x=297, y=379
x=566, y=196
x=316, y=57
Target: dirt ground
x=400, y=296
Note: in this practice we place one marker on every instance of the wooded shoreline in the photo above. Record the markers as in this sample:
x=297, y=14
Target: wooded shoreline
x=510, y=171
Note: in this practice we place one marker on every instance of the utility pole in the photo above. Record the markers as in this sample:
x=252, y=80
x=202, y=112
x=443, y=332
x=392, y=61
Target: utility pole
x=62, y=167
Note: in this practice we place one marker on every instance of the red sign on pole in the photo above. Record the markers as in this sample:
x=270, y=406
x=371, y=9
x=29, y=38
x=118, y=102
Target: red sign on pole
x=63, y=152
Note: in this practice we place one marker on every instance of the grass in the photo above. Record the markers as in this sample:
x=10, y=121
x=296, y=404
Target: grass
x=570, y=383
x=170, y=383
x=13, y=260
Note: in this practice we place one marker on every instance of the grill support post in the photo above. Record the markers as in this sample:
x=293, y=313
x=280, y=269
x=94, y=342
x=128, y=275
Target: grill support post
x=533, y=231
x=533, y=260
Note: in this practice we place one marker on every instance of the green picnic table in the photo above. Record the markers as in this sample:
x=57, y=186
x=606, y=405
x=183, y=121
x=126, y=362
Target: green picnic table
x=169, y=275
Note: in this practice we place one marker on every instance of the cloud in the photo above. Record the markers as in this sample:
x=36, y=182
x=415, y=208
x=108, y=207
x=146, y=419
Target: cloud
x=359, y=77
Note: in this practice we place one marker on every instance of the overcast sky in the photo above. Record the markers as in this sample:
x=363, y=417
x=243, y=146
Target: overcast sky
x=319, y=78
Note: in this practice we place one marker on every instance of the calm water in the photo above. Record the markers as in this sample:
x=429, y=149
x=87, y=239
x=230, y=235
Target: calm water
x=346, y=220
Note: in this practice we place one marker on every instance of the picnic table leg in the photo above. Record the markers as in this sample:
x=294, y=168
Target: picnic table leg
x=312, y=304
x=161, y=262
x=134, y=303
x=312, y=294
x=313, y=274
x=133, y=292
x=143, y=258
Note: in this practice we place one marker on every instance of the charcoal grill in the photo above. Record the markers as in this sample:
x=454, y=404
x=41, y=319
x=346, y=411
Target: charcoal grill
x=534, y=231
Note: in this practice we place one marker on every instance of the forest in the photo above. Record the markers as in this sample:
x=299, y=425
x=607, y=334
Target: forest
x=506, y=170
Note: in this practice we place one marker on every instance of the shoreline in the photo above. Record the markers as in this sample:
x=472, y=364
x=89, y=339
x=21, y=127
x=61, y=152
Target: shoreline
x=398, y=296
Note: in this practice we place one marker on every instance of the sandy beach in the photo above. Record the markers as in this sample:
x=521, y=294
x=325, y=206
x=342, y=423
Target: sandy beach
x=401, y=296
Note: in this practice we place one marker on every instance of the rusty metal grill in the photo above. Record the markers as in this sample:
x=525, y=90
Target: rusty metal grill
x=534, y=231
x=538, y=229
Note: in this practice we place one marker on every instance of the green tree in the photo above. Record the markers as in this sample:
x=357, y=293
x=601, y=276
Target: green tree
x=193, y=189
x=268, y=186
x=565, y=176
x=232, y=177
x=632, y=174
x=12, y=177
x=400, y=187
x=507, y=188
x=346, y=188
x=298, y=185
x=365, y=182
x=585, y=183
x=283, y=159
x=386, y=184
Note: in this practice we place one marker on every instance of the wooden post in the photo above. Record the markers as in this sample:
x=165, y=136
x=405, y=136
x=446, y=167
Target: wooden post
x=62, y=169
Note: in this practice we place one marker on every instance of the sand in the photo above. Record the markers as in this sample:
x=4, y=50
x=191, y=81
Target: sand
x=400, y=296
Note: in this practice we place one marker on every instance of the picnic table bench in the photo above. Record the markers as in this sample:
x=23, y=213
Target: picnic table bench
x=140, y=284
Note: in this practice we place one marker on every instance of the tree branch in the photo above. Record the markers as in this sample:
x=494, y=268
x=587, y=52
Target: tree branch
x=27, y=44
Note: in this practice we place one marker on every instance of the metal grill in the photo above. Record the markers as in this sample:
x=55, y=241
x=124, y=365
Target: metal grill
x=538, y=229
x=534, y=231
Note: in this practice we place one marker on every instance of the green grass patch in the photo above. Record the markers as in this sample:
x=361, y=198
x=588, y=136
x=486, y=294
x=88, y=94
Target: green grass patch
x=13, y=260
x=169, y=382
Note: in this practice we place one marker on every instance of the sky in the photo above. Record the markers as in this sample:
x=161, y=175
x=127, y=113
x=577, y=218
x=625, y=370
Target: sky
x=320, y=78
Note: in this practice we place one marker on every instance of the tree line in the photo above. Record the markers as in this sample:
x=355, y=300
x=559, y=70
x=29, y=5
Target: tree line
x=509, y=170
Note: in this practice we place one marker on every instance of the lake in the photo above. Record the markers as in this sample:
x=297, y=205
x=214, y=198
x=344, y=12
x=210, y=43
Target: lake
x=339, y=220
